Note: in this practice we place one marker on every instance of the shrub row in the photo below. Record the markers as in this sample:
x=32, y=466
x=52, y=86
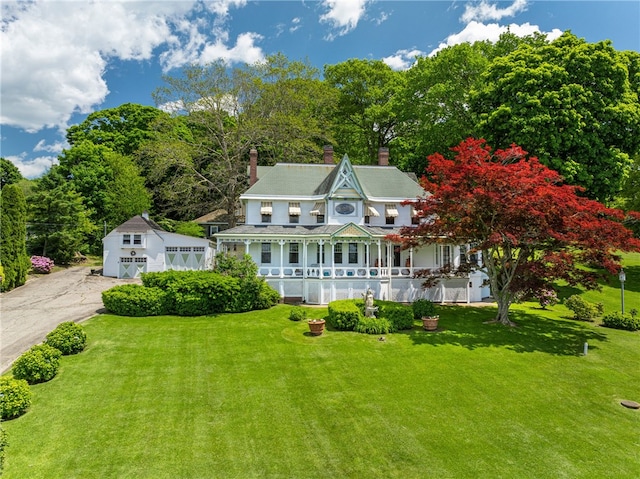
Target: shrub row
x=15, y=397
x=68, y=338
x=189, y=293
x=348, y=315
x=39, y=364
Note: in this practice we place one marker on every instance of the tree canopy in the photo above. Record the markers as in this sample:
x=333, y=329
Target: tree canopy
x=531, y=227
x=572, y=104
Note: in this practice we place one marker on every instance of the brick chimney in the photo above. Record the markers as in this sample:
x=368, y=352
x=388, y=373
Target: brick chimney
x=253, y=166
x=383, y=156
x=327, y=155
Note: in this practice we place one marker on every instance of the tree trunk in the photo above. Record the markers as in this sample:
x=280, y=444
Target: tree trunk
x=504, y=302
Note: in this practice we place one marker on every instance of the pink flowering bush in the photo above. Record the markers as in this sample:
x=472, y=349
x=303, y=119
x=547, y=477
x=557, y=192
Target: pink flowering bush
x=41, y=264
x=547, y=297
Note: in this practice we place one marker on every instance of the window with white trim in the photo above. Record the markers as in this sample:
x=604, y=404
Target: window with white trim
x=265, y=254
x=294, y=253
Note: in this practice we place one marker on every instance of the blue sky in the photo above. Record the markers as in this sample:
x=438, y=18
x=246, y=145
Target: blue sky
x=62, y=59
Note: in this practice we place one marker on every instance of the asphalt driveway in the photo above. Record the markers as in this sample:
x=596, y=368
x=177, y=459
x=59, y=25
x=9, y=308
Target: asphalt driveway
x=30, y=312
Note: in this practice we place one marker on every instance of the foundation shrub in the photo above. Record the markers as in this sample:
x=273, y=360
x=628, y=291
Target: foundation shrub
x=38, y=365
x=344, y=314
x=267, y=296
x=373, y=325
x=68, y=338
x=15, y=397
x=135, y=300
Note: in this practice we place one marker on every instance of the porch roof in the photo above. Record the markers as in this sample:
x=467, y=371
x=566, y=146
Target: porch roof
x=242, y=232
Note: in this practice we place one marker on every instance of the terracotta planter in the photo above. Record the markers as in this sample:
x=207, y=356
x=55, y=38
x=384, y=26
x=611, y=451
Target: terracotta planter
x=430, y=323
x=316, y=326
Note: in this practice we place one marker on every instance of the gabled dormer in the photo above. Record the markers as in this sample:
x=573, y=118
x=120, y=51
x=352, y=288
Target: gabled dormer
x=345, y=183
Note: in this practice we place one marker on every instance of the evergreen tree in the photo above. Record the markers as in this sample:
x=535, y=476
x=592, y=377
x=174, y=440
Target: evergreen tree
x=13, y=237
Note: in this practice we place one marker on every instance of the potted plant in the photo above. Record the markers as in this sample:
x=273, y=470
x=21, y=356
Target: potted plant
x=426, y=311
x=316, y=326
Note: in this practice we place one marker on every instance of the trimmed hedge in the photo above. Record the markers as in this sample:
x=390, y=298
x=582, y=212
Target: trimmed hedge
x=373, y=325
x=15, y=397
x=344, y=314
x=68, y=338
x=135, y=300
x=38, y=365
x=618, y=320
x=190, y=293
x=400, y=316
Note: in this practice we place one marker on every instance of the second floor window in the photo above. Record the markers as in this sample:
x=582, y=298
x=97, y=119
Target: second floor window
x=126, y=239
x=266, y=210
x=294, y=212
x=137, y=240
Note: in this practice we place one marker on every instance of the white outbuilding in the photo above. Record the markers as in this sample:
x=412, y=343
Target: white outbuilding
x=140, y=245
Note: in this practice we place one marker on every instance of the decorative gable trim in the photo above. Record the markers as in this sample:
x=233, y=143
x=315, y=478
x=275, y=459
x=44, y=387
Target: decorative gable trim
x=351, y=230
x=346, y=182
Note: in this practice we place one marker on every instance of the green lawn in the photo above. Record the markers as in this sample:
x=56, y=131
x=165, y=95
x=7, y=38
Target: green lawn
x=253, y=395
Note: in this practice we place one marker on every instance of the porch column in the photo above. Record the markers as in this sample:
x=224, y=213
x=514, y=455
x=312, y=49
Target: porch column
x=333, y=260
x=281, y=243
x=304, y=259
x=246, y=246
x=367, y=256
x=321, y=255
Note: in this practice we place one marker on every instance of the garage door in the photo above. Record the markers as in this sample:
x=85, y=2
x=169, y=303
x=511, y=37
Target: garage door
x=185, y=257
x=132, y=267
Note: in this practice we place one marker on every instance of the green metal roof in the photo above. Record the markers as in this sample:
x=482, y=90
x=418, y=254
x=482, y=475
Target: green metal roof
x=316, y=180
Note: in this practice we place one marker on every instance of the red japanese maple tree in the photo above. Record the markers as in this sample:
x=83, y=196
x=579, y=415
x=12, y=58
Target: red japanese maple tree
x=531, y=228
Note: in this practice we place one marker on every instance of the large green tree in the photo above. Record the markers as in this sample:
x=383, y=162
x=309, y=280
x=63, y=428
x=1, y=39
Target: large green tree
x=122, y=129
x=13, y=233
x=108, y=182
x=59, y=226
x=369, y=100
x=571, y=103
x=227, y=112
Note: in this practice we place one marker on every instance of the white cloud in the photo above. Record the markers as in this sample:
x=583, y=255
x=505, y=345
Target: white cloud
x=476, y=31
x=485, y=11
x=55, y=53
x=32, y=168
x=56, y=147
x=342, y=15
x=402, y=59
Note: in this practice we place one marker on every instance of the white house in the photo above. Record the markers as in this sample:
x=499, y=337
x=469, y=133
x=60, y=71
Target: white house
x=318, y=232
x=140, y=245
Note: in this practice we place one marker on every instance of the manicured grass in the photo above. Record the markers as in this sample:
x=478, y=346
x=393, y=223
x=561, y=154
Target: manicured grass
x=253, y=395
